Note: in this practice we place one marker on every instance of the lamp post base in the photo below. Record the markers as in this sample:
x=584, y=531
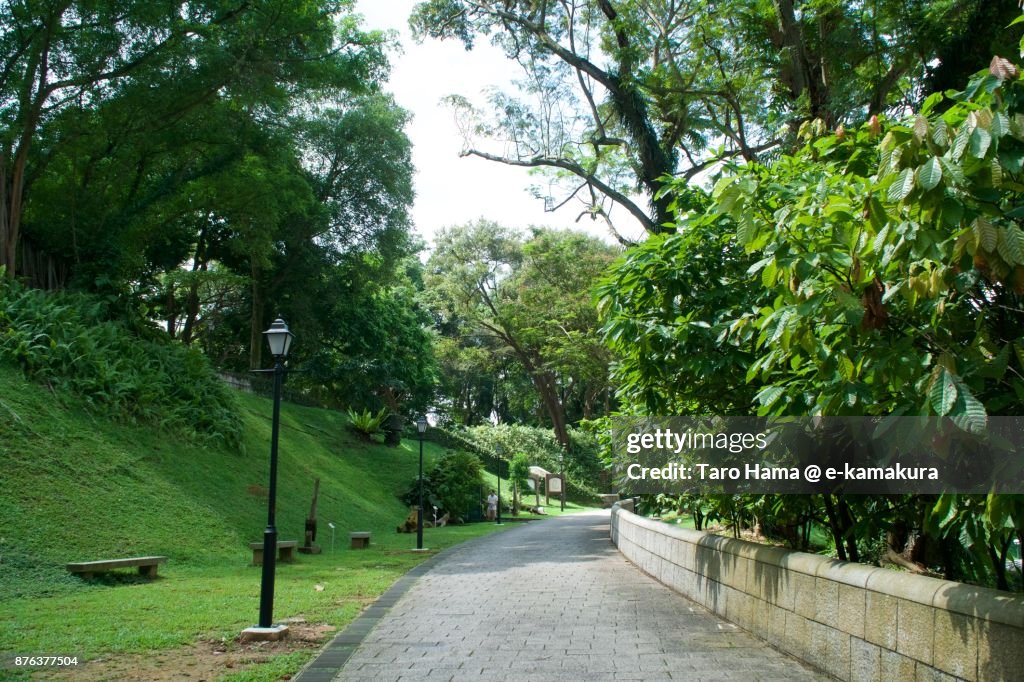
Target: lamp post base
x=258, y=634
x=420, y=550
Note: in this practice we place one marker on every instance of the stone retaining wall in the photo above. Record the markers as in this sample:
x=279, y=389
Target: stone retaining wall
x=854, y=621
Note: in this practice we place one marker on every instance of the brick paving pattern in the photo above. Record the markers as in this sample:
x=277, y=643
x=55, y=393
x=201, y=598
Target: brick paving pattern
x=549, y=601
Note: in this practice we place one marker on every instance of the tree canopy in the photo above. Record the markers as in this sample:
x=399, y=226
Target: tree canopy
x=526, y=299
x=620, y=95
x=874, y=271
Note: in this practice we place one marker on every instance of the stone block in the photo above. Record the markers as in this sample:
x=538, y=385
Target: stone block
x=826, y=602
x=758, y=623
x=734, y=571
x=657, y=567
x=785, y=588
x=830, y=649
x=738, y=607
x=687, y=582
x=926, y=673
x=956, y=644
x=804, y=594
x=763, y=581
x=1000, y=651
x=880, y=620
x=896, y=667
x=865, y=661
x=795, y=639
x=776, y=632
x=852, y=605
x=915, y=630
x=672, y=576
x=916, y=588
x=676, y=552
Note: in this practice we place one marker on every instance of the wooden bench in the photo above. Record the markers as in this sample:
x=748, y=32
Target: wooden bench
x=285, y=551
x=360, y=539
x=147, y=565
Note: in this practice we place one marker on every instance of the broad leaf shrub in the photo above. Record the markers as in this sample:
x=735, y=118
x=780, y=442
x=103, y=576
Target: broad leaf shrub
x=366, y=423
x=454, y=485
x=873, y=271
x=66, y=341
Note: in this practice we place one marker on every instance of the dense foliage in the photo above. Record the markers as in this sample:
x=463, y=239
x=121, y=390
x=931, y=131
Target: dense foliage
x=618, y=96
x=454, y=485
x=216, y=165
x=70, y=343
x=875, y=271
x=583, y=467
x=517, y=307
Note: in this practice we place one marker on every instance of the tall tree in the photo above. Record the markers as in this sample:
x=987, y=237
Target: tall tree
x=530, y=298
x=619, y=95
x=62, y=63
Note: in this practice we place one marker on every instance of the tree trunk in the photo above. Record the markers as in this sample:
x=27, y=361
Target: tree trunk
x=801, y=76
x=834, y=525
x=256, y=321
x=199, y=264
x=12, y=180
x=545, y=384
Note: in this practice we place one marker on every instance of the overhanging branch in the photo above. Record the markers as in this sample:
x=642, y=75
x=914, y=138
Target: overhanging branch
x=579, y=171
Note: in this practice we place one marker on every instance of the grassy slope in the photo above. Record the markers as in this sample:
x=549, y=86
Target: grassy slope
x=77, y=488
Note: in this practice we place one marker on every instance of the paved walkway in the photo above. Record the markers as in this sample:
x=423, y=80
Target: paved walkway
x=551, y=600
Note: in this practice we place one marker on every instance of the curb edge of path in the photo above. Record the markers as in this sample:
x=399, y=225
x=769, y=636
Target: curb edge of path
x=334, y=654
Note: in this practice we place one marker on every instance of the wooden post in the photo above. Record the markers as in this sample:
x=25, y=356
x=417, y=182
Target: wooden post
x=309, y=546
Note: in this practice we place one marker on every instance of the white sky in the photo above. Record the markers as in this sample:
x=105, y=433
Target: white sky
x=451, y=190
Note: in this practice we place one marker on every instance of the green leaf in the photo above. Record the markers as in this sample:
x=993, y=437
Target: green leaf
x=746, y=231
x=1000, y=124
x=929, y=174
x=997, y=173
x=769, y=395
x=953, y=172
x=980, y=141
x=769, y=274
x=963, y=136
x=920, y=128
x=930, y=102
x=968, y=413
x=943, y=393
x=1011, y=245
x=902, y=186
x=845, y=367
x=988, y=237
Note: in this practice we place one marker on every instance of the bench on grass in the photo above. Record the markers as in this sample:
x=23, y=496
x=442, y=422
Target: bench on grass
x=285, y=551
x=146, y=564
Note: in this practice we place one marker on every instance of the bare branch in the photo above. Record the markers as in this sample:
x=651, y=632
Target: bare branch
x=579, y=171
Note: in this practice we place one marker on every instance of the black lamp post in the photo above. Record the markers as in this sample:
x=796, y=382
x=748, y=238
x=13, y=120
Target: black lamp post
x=421, y=428
x=280, y=341
x=498, y=451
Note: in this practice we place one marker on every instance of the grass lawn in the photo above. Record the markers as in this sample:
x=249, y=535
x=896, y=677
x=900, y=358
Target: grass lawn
x=119, y=615
x=77, y=487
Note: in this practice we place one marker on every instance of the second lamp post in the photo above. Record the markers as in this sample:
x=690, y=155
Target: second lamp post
x=421, y=428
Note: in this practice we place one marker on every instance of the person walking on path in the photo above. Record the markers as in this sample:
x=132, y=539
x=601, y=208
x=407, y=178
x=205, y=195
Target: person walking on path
x=492, y=506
